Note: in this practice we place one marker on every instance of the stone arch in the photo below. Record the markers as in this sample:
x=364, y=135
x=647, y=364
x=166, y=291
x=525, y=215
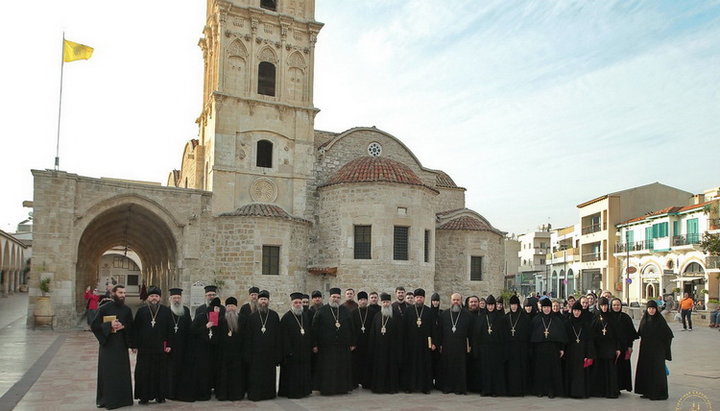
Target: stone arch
x=235, y=72
x=686, y=264
x=267, y=54
x=132, y=225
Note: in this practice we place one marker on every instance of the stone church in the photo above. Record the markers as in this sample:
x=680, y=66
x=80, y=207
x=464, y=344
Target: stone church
x=261, y=197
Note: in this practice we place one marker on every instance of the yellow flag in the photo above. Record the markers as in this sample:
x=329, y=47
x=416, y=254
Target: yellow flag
x=76, y=51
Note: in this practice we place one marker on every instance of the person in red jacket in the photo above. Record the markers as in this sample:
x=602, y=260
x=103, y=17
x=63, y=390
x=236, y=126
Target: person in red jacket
x=92, y=298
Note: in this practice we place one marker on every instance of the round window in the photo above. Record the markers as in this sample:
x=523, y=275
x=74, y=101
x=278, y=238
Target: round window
x=375, y=149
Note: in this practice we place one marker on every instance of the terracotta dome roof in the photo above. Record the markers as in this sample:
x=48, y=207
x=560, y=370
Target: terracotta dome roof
x=374, y=169
x=466, y=223
x=261, y=210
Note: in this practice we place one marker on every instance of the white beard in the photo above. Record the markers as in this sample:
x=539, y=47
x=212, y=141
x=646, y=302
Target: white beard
x=386, y=311
x=296, y=311
x=334, y=304
x=177, y=309
x=455, y=308
x=253, y=305
x=232, y=320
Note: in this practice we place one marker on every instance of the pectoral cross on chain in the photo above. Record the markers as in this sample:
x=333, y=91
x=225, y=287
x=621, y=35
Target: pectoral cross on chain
x=604, y=331
x=152, y=323
x=546, y=332
x=176, y=328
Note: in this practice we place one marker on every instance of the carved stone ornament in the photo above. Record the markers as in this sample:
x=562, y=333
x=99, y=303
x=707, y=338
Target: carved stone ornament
x=263, y=190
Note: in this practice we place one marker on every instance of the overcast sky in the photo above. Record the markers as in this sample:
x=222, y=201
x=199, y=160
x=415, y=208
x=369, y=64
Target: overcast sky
x=533, y=106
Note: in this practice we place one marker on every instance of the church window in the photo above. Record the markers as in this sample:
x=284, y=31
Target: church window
x=269, y=4
x=270, y=260
x=400, y=243
x=427, y=246
x=375, y=149
x=475, y=268
x=363, y=234
x=264, y=154
x=266, y=78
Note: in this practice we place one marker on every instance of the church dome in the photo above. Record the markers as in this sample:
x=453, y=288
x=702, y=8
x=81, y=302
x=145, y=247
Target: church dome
x=375, y=169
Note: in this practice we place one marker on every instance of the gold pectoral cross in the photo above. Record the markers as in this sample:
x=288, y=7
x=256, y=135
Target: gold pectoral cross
x=546, y=332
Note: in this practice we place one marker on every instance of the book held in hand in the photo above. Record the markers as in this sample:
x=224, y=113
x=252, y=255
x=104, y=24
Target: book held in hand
x=109, y=319
x=213, y=317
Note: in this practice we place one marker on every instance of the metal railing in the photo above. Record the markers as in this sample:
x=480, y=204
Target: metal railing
x=593, y=228
x=591, y=256
x=687, y=239
x=634, y=246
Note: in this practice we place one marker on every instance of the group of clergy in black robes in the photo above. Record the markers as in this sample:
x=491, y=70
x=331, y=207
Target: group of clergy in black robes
x=388, y=347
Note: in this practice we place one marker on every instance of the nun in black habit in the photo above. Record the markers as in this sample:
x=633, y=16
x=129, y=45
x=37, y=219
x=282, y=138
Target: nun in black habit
x=548, y=339
x=517, y=334
x=626, y=335
x=490, y=347
x=655, y=340
x=579, y=354
x=604, y=371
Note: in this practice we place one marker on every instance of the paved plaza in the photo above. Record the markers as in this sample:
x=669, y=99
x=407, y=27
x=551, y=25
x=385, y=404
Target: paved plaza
x=46, y=370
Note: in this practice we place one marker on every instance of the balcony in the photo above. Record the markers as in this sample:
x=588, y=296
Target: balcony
x=635, y=246
x=591, y=257
x=593, y=228
x=568, y=255
x=687, y=239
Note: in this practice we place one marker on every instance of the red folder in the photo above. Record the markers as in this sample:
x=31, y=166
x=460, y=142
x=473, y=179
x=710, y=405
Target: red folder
x=627, y=354
x=588, y=362
x=213, y=318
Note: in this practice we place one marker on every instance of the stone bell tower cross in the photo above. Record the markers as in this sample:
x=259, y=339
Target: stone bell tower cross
x=257, y=119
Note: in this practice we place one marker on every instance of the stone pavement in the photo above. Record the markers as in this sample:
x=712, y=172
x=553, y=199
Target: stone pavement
x=46, y=370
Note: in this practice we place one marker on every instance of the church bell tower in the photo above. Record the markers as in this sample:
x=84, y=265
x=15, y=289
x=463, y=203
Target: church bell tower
x=257, y=119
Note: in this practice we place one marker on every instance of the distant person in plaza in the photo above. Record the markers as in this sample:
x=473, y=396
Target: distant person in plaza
x=655, y=341
x=385, y=349
x=153, y=327
x=317, y=301
x=143, y=292
x=362, y=319
x=454, y=329
x=296, y=350
x=548, y=339
x=579, y=354
x=686, y=306
x=262, y=342
x=250, y=306
x=107, y=297
x=626, y=335
x=112, y=327
x=715, y=318
x=517, y=335
x=400, y=304
x=230, y=384
x=350, y=303
x=421, y=337
x=607, y=349
x=178, y=357
x=334, y=342
x=92, y=302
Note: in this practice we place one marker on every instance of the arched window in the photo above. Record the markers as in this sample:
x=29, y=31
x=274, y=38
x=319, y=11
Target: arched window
x=266, y=78
x=264, y=153
x=269, y=4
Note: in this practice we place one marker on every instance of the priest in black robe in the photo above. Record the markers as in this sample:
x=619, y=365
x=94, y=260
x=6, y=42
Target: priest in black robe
x=230, y=384
x=250, y=306
x=548, y=338
x=362, y=320
x=204, y=335
x=517, y=334
x=400, y=304
x=435, y=310
x=262, y=342
x=421, y=337
x=112, y=327
x=626, y=335
x=385, y=349
x=454, y=329
x=334, y=342
x=178, y=362
x=655, y=341
x=580, y=350
x=210, y=295
x=607, y=347
x=490, y=347
x=296, y=342
x=152, y=327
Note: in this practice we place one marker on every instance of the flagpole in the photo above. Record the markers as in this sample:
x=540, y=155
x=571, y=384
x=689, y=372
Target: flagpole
x=62, y=67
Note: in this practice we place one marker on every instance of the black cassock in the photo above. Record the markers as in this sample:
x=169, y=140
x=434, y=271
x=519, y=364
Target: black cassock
x=517, y=366
x=580, y=345
x=385, y=354
x=152, y=334
x=334, y=361
x=245, y=310
x=655, y=341
x=178, y=363
x=296, y=342
x=547, y=368
x=626, y=335
x=604, y=371
x=418, y=360
x=489, y=345
x=262, y=354
x=473, y=360
x=230, y=377
x=362, y=320
x=114, y=385
x=202, y=360
x=436, y=354
x=454, y=330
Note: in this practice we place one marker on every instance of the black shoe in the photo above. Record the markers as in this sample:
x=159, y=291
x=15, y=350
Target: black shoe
x=143, y=402
x=160, y=400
